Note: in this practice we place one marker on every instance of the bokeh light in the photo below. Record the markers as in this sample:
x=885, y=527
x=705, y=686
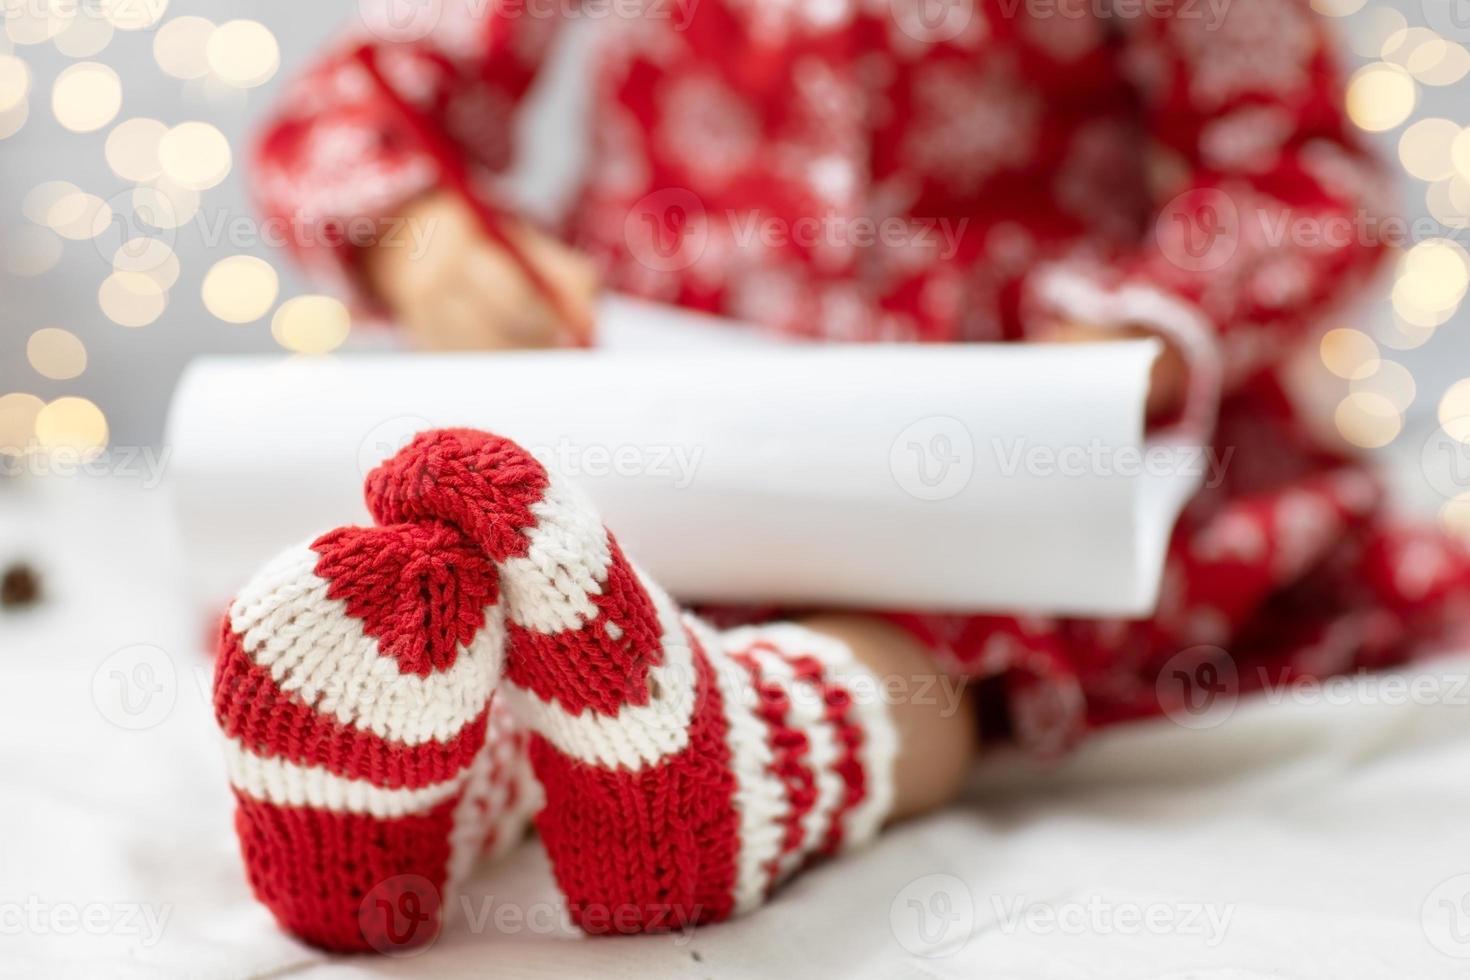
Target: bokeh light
x=78, y=216
x=132, y=149
x=1380, y=96
x=1424, y=148
x=164, y=205
x=240, y=289
x=18, y=411
x=1368, y=420
x=12, y=119
x=85, y=36
x=194, y=155
x=35, y=21
x=311, y=324
x=57, y=354
x=131, y=299
x=243, y=53
x=1337, y=8
x=1391, y=381
x=179, y=47
x=1448, y=202
x=86, y=96
x=1454, y=410
x=1349, y=354
x=150, y=257
x=1440, y=63
x=132, y=15
x=1432, y=280
x=72, y=424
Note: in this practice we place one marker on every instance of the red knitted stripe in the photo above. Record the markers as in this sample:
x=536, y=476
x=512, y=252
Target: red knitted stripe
x=587, y=668
x=346, y=881
x=482, y=484
x=651, y=850
x=849, y=736
x=420, y=589
x=790, y=746
x=251, y=707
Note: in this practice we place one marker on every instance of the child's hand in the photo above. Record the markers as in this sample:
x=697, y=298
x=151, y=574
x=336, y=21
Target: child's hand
x=458, y=290
x=1170, y=374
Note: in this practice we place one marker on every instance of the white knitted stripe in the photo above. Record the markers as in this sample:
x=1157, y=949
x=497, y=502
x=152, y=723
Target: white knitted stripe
x=639, y=735
x=550, y=588
x=760, y=796
x=314, y=648
x=807, y=714
x=879, y=748
x=512, y=791
x=274, y=780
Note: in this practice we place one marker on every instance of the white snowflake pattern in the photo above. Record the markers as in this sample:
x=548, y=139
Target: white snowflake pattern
x=1247, y=140
x=342, y=173
x=1304, y=527
x=1256, y=47
x=969, y=123
x=706, y=127
x=1066, y=30
x=773, y=23
x=1234, y=536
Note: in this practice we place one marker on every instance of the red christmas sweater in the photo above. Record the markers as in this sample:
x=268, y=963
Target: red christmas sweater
x=889, y=170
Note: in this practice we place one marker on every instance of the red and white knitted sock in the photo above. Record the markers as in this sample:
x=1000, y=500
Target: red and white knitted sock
x=686, y=772
x=369, y=763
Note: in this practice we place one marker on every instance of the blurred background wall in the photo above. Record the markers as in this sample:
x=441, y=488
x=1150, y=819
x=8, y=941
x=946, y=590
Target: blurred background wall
x=89, y=87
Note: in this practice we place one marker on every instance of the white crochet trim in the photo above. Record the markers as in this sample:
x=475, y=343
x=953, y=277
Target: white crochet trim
x=550, y=588
x=880, y=738
x=284, y=783
x=806, y=713
x=640, y=735
x=314, y=648
x=1081, y=298
x=759, y=799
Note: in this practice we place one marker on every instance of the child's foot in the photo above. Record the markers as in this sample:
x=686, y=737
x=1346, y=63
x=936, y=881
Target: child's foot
x=369, y=765
x=686, y=772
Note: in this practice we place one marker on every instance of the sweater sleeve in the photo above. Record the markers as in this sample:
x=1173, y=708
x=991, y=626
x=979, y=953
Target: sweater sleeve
x=411, y=91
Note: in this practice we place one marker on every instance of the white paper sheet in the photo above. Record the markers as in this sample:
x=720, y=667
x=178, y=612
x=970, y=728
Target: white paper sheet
x=974, y=477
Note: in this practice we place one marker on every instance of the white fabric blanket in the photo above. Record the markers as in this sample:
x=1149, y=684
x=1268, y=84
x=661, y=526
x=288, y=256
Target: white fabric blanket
x=1319, y=837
